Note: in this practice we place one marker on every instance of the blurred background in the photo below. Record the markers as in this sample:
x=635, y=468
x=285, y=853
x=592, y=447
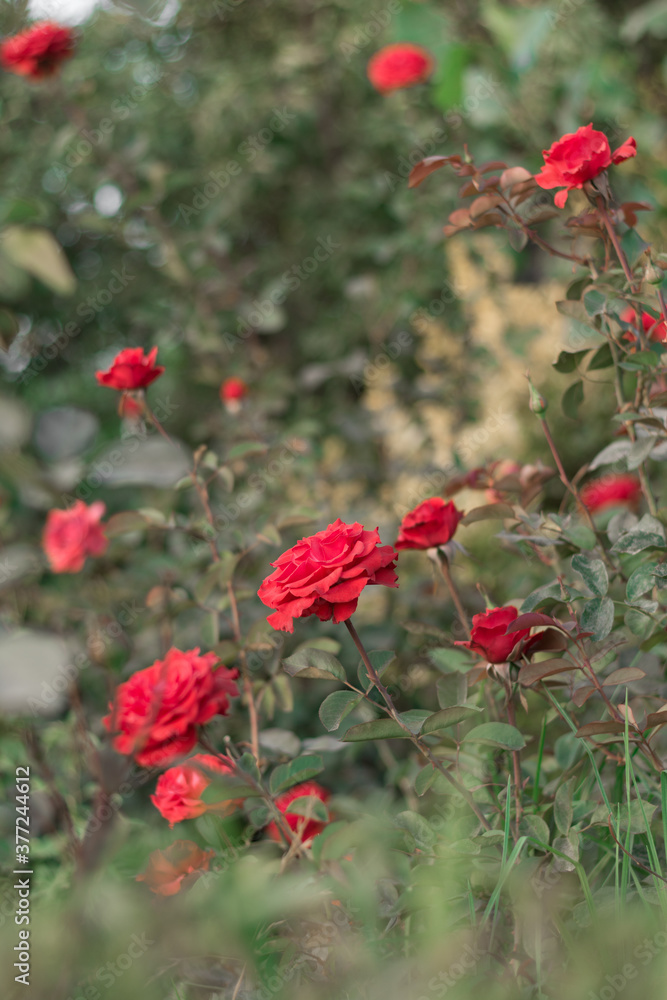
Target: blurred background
x=220, y=180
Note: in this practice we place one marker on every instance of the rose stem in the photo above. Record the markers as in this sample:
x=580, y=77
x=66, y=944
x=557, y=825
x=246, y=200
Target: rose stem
x=247, y=682
x=443, y=563
x=516, y=758
x=614, y=239
x=424, y=749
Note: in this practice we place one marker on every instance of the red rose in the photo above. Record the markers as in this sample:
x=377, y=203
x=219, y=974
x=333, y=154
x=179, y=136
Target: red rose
x=71, y=535
x=654, y=327
x=131, y=369
x=167, y=869
x=431, y=523
x=38, y=51
x=233, y=388
x=156, y=712
x=488, y=637
x=579, y=157
x=308, y=828
x=178, y=791
x=399, y=65
x=324, y=574
x=611, y=491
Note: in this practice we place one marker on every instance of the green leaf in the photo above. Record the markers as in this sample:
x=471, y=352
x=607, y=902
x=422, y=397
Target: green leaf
x=448, y=717
x=569, y=360
x=641, y=450
x=335, y=707
x=572, y=399
x=419, y=828
x=382, y=729
x=594, y=573
x=549, y=593
x=309, y=806
x=450, y=660
x=594, y=304
x=37, y=252
x=127, y=520
x=647, y=533
x=496, y=734
x=563, y=806
x=642, y=580
x=448, y=81
x=425, y=779
x=602, y=358
x=598, y=617
x=313, y=662
x=301, y=769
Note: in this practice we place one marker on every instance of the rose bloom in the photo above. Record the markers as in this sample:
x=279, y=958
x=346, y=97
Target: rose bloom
x=178, y=791
x=131, y=369
x=578, y=157
x=167, y=869
x=233, y=388
x=430, y=524
x=400, y=65
x=38, y=51
x=72, y=535
x=657, y=326
x=324, y=574
x=614, y=490
x=308, y=828
x=487, y=636
x=155, y=713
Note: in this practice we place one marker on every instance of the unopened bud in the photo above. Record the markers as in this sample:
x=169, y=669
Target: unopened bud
x=653, y=274
x=538, y=403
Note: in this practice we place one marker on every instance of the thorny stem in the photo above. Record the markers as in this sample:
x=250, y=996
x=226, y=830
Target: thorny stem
x=620, y=400
x=423, y=748
x=443, y=563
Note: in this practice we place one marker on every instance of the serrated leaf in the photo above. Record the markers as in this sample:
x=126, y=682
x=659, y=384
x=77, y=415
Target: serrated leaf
x=418, y=827
x=294, y=772
x=597, y=617
x=593, y=572
x=316, y=663
x=447, y=717
x=497, y=734
x=549, y=592
x=335, y=707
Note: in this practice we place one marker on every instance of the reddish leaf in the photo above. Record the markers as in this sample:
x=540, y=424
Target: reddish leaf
x=629, y=208
x=601, y=728
x=531, y=619
x=425, y=167
x=489, y=219
x=536, y=671
x=460, y=217
x=582, y=694
x=513, y=175
x=623, y=676
x=489, y=511
x=656, y=719
x=484, y=168
x=482, y=205
x=467, y=189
